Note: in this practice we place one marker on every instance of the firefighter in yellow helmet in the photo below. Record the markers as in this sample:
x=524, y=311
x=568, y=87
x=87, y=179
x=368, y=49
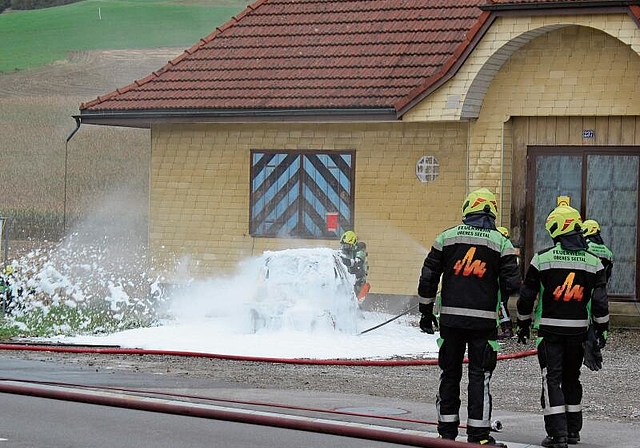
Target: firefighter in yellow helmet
x=473, y=261
x=591, y=230
x=563, y=280
x=506, y=326
x=354, y=256
x=504, y=231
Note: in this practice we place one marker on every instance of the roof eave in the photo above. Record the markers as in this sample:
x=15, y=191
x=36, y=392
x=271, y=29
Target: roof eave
x=499, y=7
x=146, y=118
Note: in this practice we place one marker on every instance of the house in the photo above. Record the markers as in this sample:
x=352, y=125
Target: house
x=300, y=119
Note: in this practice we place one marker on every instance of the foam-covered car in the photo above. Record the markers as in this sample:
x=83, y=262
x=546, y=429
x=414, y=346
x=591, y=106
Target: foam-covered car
x=305, y=289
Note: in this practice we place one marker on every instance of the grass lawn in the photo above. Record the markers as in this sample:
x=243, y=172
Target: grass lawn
x=35, y=38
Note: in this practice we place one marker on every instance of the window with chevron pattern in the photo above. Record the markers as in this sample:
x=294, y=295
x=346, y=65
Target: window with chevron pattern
x=294, y=192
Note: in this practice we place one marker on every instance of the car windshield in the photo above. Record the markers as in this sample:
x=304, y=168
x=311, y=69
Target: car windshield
x=317, y=266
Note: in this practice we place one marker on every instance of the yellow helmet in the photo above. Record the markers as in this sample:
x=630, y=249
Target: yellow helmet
x=563, y=220
x=590, y=227
x=481, y=200
x=504, y=231
x=8, y=270
x=349, y=237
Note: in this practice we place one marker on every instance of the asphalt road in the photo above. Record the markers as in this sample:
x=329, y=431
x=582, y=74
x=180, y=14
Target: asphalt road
x=35, y=422
x=28, y=421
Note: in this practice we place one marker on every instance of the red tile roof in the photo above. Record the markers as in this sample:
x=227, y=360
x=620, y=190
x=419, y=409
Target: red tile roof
x=313, y=54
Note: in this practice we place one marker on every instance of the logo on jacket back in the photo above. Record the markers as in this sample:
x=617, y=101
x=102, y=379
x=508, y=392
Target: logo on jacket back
x=568, y=290
x=470, y=266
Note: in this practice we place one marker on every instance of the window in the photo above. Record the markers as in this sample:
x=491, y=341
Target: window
x=292, y=193
x=427, y=168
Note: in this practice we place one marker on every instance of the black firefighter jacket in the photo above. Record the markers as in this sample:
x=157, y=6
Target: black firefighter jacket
x=475, y=263
x=566, y=284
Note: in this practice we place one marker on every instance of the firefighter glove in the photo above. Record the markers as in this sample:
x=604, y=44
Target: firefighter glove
x=524, y=331
x=592, y=353
x=428, y=322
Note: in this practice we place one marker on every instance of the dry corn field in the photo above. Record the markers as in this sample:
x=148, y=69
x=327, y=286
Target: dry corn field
x=105, y=167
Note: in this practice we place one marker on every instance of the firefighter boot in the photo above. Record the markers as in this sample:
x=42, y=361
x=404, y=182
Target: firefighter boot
x=573, y=438
x=555, y=442
x=506, y=330
x=486, y=441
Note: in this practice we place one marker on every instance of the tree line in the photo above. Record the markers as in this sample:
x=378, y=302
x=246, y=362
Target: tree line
x=32, y=4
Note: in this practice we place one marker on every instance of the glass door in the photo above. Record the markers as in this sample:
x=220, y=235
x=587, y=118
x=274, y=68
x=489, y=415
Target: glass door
x=603, y=184
x=557, y=176
x=612, y=200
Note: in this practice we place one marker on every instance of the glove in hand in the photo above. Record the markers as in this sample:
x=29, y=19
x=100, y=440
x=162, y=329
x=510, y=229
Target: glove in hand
x=601, y=337
x=428, y=322
x=524, y=331
x=592, y=353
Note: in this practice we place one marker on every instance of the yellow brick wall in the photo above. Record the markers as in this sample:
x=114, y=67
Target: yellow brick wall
x=574, y=71
x=200, y=193
x=577, y=66
x=505, y=37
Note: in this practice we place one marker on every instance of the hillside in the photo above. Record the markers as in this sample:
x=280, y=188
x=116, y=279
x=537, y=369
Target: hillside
x=101, y=162
x=35, y=38
x=106, y=169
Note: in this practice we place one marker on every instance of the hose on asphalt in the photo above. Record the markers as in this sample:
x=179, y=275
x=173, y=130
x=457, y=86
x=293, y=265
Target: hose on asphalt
x=368, y=432
x=6, y=386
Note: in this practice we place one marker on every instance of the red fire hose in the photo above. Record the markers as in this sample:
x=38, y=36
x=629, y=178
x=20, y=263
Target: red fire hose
x=335, y=362
x=227, y=414
x=361, y=432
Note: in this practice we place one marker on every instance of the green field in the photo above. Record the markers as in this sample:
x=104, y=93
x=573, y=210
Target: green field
x=52, y=60
x=31, y=39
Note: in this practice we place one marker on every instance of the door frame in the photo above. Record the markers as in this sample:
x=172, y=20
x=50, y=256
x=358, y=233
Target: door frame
x=533, y=151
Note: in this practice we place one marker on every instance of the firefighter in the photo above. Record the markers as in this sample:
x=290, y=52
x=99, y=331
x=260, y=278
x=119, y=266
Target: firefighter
x=567, y=281
x=474, y=262
x=354, y=257
x=506, y=326
x=6, y=293
x=591, y=230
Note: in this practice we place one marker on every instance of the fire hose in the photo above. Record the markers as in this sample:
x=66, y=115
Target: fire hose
x=391, y=320
x=172, y=404
x=344, y=430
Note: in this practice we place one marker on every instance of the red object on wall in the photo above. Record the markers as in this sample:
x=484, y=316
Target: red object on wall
x=332, y=222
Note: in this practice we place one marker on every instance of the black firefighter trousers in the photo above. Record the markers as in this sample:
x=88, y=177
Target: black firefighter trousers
x=560, y=359
x=482, y=362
